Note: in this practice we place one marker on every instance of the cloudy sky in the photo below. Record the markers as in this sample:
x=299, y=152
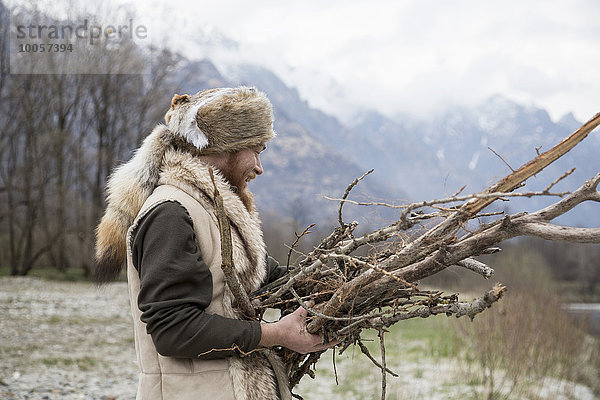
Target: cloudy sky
x=414, y=56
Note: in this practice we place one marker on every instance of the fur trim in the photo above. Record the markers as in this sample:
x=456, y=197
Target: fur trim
x=128, y=188
x=222, y=120
x=191, y=175
x=253, y=378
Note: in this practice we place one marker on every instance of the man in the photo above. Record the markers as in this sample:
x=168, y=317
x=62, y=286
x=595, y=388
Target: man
x=191, y=340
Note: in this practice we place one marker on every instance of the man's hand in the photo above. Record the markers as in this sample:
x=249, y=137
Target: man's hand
x=290, y=332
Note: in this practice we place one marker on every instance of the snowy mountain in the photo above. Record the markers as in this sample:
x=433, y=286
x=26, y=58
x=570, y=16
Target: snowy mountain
x=473, y=146
x=300, y=167
x=414, y=159
x=418, y=159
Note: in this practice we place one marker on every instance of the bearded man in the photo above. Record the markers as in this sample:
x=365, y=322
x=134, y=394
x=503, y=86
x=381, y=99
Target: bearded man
x=191, y=340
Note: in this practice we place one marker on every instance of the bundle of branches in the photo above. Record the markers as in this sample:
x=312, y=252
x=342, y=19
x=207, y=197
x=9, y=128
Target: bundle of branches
x=374, y=291
x=377, y=289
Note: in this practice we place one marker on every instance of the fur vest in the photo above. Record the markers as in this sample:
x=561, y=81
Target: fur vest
x=257, y=375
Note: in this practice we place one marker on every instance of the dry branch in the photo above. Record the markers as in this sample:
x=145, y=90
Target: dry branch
x=512, y=181
x=366, y=352
x=476, y=266
x=353, y=293
x=383, y=363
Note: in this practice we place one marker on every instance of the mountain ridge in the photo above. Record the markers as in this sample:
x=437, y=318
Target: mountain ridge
x=414, y=159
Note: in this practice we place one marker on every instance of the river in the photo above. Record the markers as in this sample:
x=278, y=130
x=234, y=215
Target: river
x=588, y=314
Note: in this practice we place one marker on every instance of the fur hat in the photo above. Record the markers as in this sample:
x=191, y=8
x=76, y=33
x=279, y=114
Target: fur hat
x=209, y=122
x=222, y=120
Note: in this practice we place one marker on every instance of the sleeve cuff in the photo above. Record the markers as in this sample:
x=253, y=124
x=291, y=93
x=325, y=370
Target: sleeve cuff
x=256, y=335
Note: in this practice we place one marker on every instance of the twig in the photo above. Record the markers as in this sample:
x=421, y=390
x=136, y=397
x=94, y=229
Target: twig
x=459, y=191
x=457, y=309
x=337, y=382
x=563, y=176
x=383, y=364
x=346, y=193
x=429, y=203
x=312, y=311
x=537, y=150
x=489, y=250
x=360, y=324
x=354, y=261
x=307, y=297
x=490, y=214
x=554, y=232
x=306, y=231
x=512, y=181
x=427, y=249
x=305, y=367
x=361, y=203
x=500, y=157
x=476, y=266
x=235, y=347
x=303, y=273
x=347, y=303
x=366, y=352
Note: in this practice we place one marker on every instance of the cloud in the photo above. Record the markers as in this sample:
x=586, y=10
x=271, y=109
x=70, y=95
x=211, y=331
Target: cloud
x=418, y=56
x=412, y=55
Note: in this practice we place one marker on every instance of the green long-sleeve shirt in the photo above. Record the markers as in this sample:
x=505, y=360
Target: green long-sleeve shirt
x=176, y=288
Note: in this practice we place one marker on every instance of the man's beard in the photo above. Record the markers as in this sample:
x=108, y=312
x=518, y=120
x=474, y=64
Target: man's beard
x=241, y=183
x=247, y=198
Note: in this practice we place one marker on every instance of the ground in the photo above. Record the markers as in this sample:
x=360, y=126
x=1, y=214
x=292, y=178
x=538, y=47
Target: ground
x=68, y=340
x=64, y=340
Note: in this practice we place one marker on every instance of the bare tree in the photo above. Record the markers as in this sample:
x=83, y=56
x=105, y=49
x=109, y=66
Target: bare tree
x=62, y=135
x=22, y=177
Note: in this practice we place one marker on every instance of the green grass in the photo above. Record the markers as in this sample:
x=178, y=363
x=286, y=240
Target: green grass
x=55, y=320
x=410, y=341
x=416, y=338
x=83, y=363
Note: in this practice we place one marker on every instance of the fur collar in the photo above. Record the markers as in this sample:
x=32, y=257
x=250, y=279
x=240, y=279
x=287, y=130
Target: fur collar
x=192, y=176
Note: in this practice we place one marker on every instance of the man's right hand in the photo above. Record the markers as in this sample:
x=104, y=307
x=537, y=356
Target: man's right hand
x=290, y=332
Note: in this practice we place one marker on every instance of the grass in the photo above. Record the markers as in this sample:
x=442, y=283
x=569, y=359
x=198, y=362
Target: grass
x=416, y=338
x=83, y=363
x=49, y=273
x=526, y=338
x=579, y=292
x=84, y=321
x=522, y=341
x=412, y=349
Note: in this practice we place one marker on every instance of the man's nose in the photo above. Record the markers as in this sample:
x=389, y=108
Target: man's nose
x=258, y=169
